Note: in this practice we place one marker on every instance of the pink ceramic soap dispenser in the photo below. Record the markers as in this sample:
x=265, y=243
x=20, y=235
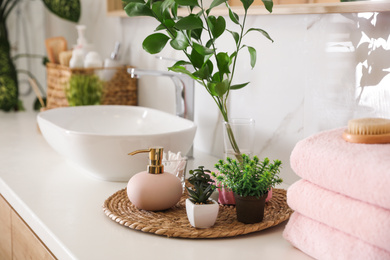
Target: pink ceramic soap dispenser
x=154, y=189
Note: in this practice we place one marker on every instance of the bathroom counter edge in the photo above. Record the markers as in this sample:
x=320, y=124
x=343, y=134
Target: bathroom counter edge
x=63, y=206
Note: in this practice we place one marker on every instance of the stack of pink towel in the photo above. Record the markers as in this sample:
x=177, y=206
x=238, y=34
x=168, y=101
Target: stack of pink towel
x=342, y=202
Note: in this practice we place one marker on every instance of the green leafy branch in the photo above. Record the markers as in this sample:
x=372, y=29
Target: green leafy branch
x=196, y=35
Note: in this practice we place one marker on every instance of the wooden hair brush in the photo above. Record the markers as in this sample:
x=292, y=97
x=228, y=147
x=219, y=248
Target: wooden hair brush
x=368, y=131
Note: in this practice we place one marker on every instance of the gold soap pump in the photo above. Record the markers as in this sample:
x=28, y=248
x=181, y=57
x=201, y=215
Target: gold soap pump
x=154, y=189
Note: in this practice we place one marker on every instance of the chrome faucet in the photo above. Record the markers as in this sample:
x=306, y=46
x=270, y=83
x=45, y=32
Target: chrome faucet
x=184, y=89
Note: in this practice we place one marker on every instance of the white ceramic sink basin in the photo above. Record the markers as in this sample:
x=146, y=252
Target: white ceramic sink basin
x=99, y=138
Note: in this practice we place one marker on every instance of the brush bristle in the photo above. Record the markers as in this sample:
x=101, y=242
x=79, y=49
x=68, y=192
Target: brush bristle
x=369, y=126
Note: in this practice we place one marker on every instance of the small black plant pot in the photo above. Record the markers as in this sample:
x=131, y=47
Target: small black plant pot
x=250, y=209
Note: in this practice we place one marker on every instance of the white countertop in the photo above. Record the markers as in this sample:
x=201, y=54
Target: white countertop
x=63, y=206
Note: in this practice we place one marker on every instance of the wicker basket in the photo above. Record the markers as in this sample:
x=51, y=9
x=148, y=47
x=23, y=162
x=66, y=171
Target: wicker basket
x=120, y=89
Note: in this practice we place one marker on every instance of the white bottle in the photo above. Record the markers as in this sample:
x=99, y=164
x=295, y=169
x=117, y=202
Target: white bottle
x=82, y=43
x=77, y=60
x=111, y=63
x=93, y=60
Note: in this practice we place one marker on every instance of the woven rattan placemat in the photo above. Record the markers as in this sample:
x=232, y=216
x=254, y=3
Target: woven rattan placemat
x=174, y=223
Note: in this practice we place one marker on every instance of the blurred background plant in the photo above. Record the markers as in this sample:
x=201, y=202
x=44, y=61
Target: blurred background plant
x=9, y=85
x=84, y=90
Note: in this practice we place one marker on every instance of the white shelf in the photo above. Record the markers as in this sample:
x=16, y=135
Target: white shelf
x=114, y=8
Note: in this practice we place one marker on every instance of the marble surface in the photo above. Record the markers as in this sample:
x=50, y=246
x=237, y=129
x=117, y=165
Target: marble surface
x=63, y=206
x=322, y=70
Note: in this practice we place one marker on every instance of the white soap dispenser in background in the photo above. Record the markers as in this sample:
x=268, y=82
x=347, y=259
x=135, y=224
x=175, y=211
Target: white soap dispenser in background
x=154, y=189
x=82, y=42
x=111, y=64
x=77, y=60
x=81, y=49
x=93, y=60
x=113, y=61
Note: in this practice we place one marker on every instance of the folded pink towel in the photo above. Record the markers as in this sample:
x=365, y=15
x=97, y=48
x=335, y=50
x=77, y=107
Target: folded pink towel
x=323, y=242
x=361, y=171
x=365, y=221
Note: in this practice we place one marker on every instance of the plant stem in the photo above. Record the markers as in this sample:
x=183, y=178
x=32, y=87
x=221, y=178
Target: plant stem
x=238, y=48
x=233, y=142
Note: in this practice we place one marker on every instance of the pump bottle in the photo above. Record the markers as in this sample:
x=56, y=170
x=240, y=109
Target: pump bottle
x=154, y=189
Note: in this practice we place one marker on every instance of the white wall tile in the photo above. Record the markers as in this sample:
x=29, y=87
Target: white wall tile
x=307, y=81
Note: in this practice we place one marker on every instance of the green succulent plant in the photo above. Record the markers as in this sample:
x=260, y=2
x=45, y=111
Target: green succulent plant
x=202, y=184
x=251, y=177
x=197, y=35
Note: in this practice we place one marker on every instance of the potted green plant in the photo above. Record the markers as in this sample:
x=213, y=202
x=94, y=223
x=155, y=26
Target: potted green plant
x=9, y=90
x=83, y=90
x=202, y=211
x=196, y=35
x=250, y=180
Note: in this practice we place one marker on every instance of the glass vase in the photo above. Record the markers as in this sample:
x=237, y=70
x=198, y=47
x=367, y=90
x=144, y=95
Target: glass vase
x=239, y=137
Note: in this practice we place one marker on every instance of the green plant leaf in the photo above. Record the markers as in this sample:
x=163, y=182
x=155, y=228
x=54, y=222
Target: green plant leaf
x=138, y=9
x=210, y=66
x=211, y=88
x=246, y=4
x=167, y=4
x=190, y=22
x=196, y=34
x=154, y=43
x=182, y=63
x=260, y=31
x=209, y=43
x=214, y=4
x=197, y=59
x=191, y=3
x=217, y=25
x=202, y=50
x=217, y=77
x=181, y=69
x=222, y=87
x=67, y=9
x=126, y=2
x=168, y=23
x=268, y=5
x=239, y=86
x=180, y=42
x=235, y=35
x=205, y=72
x=223, y=61
x=157, y=10
x=174, y=10
x=233, y=16
x=253, y=56
x=234, y=54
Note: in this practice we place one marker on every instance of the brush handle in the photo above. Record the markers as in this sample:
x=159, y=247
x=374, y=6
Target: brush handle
x=366, y=139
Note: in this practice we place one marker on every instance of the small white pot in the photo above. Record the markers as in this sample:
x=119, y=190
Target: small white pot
x=202, y=216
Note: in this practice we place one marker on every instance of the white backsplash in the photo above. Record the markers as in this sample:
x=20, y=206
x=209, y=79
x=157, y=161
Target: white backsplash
x=307, y=81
